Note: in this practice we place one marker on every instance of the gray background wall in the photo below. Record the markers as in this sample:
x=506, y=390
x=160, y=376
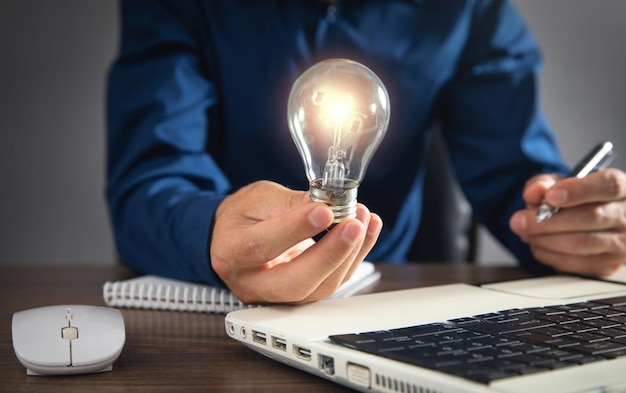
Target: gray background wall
x=53, y=60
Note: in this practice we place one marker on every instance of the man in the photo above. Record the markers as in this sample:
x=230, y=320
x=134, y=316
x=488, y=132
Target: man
x=202, y=173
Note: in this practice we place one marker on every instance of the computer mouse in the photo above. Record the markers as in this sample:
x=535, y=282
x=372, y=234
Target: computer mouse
x=68, y=339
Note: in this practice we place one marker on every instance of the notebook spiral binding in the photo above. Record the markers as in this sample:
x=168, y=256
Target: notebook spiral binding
x=156, y=293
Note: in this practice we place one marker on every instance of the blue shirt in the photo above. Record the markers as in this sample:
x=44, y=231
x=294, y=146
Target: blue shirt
x=197, y=109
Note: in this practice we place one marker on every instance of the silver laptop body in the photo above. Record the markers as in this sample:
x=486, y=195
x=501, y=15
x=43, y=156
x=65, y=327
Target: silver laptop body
x=299, y=335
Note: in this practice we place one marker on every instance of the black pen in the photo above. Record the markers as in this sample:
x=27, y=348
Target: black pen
x=598, y=158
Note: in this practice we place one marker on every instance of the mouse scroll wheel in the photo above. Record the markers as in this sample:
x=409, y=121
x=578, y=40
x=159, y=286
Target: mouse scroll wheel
x=69, y=333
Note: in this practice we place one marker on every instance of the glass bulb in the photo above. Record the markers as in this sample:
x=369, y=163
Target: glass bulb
x=338, y=114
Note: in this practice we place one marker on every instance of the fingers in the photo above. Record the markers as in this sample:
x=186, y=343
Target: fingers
x=333, y=260
x=318, y=271
x=590, y=217
x=270, y=238
x=594, y=228
x=261, y=221
x=259, y=201
x=373, y=225
x=374, y=228
x=587, y=243
x=586, y=252
x=602, y=264
x=588, y=239
x=602, y=186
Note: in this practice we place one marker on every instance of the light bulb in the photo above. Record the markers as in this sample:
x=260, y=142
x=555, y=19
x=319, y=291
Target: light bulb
x=338, y=113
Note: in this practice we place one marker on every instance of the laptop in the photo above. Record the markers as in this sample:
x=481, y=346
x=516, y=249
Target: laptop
x=556, y=333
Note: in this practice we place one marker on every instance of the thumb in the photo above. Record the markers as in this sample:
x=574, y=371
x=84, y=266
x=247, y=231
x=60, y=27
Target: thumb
x=536, y=188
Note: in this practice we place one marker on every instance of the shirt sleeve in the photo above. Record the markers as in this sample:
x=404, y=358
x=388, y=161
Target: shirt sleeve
x=493, y=124
x=162, y=185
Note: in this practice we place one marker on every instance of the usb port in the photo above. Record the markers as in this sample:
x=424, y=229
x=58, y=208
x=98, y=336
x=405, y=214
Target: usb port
x=302, y=353
x=259, y=337
x=279, y=343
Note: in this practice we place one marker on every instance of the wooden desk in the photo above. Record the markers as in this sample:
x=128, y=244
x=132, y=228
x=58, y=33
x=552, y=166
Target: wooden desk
x=175, y=351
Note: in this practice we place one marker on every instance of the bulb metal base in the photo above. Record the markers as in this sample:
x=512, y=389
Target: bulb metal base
x=342, y=201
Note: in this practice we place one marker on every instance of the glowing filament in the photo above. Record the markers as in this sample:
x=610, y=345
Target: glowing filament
x=337, y=113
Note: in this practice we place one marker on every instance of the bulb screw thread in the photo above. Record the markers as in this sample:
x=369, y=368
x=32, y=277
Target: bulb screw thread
x=342, y=202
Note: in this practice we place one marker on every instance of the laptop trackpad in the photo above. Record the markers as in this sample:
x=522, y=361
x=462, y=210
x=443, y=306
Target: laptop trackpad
x=557, y=287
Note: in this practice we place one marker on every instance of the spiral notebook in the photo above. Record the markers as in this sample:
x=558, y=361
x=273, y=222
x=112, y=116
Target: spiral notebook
x=161, y=293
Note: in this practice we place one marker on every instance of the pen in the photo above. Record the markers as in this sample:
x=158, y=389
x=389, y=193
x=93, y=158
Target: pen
x=598, y=158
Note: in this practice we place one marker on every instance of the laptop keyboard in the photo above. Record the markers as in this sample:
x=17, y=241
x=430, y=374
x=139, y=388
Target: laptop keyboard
x=507, y=343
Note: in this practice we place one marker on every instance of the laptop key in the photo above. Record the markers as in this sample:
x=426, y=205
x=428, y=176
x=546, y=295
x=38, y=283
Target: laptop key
x=621, y=319
x=522, y=324
x=615, y=333
x=602, y=323
x=514, y=311
x=560, y=318
x=553, y=331
x=504, y=352
x=532, y=360
x=560, y=341
x=464, y=321
x=589, y=337
x=425, y=330
x=577, y=327
x=599, y=347
x=489, y=371
x=526, y=347
x=574, y=307
x=425, y=359
x=614, y=301
x=357, y=341
x=561, y=355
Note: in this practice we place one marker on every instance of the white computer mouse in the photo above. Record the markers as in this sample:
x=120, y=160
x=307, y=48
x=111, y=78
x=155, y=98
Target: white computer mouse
x=70, y=339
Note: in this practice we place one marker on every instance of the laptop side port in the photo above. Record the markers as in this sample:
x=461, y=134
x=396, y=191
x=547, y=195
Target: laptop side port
x=326, y=364
x=302, y=353
x=259, y=337
x=279, y=343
